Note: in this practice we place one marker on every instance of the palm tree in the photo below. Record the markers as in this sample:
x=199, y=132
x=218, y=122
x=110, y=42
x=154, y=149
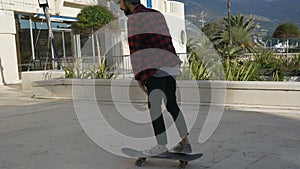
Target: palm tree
x=229, y=24
x=241, y=34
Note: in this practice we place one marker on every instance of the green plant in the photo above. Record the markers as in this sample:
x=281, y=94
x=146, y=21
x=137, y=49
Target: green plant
x=103, y=71
x=199, y=70
x=185, y=72
x=270, y=66
x=241, y=33
x=75, y=71
x=69, y=73
x=92, y=18
x=239, y=71
x=203, y=60
x=94, y=72
x=229, y=52
x=294, y=66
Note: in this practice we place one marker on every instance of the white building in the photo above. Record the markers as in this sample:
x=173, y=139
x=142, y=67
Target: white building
x=19, y=45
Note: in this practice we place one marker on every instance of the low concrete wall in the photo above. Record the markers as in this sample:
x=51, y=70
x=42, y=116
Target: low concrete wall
x=239, y=95
x=31, y=76
x=267, y=95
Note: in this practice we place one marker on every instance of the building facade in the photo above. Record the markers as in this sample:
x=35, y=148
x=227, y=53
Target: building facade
x=24, y=41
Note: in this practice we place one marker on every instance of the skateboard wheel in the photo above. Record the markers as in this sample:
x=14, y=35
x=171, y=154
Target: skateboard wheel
x=183, y=164
x=139, y=162
x=143, y=159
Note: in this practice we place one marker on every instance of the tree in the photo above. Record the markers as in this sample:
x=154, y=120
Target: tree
x=210, y=29
x=287, y=31
x=231, y=44
x=92, y=18
x=242, y=34
x=229, y=23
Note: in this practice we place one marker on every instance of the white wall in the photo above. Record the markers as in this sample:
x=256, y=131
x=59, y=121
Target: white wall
x=174, y=13
x=59, y=7
x=28, y=6
x=8, y=51
x=262, y=96
x=177, y=26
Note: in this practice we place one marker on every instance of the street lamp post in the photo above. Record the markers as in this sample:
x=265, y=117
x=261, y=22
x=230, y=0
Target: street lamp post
x=44, y=4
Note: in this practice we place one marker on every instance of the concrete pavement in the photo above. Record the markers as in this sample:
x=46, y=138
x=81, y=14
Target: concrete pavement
x=46, y=134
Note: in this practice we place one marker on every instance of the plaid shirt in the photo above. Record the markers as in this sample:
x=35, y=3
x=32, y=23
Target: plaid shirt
x=150, y=43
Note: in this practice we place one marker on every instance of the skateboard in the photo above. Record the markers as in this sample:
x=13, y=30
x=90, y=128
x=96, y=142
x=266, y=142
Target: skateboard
x=141, y=157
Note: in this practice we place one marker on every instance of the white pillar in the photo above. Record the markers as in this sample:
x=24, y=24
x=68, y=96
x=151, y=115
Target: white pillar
x=8, y=50
x=31, y=39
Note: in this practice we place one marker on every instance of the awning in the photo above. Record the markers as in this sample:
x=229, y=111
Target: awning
x=58, y=18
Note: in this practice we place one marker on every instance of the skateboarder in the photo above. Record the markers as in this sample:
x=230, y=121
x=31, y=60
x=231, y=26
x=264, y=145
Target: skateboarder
x=155, y=66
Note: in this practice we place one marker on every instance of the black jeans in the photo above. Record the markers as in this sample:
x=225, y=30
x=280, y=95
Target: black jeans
x=164, y=88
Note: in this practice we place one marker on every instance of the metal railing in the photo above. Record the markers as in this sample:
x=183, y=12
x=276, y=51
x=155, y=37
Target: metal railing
x=159, y=5
x=175, y=8
x=171, y=7
x=118, y=65
x=286, y=57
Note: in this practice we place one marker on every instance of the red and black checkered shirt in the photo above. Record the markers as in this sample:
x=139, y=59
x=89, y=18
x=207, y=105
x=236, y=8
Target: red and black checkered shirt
x=150, y=42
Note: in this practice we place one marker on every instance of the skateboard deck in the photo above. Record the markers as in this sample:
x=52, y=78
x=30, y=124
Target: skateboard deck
x=183, y=158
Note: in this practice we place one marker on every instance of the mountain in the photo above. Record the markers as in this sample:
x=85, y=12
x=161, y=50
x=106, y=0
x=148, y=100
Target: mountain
x=268, y=13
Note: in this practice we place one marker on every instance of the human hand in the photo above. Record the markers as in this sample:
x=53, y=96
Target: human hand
x=143, y=87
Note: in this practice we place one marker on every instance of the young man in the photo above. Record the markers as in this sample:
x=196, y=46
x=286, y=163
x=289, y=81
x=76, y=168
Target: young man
x=155, y=65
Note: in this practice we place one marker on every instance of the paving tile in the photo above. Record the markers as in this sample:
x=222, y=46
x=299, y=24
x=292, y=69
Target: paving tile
x=46, y=134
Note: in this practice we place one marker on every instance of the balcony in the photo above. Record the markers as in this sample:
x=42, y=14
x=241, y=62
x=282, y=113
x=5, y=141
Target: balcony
x=79, y=3
x=173, y=8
